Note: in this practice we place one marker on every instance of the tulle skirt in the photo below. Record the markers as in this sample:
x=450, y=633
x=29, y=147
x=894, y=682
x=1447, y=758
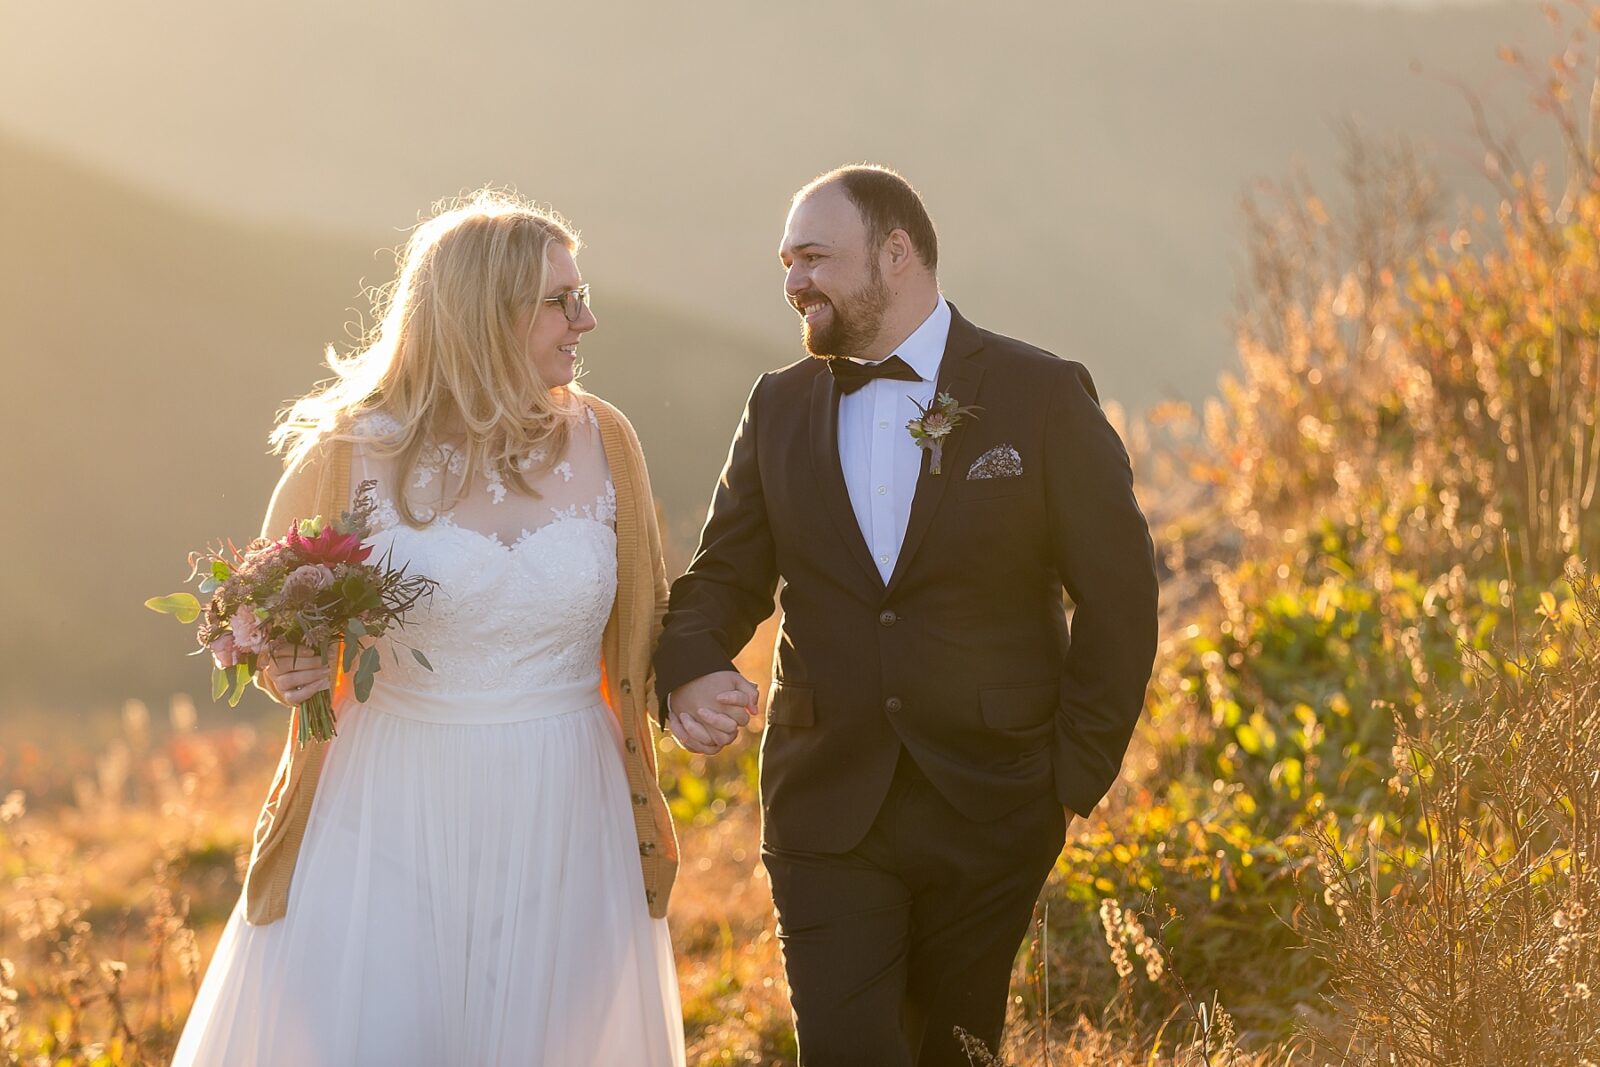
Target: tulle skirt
x=467, y=892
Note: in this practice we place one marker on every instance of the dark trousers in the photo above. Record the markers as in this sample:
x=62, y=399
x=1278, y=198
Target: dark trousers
x=890, y=946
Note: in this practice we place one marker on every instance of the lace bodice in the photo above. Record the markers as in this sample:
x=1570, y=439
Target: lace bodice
x=525, y=584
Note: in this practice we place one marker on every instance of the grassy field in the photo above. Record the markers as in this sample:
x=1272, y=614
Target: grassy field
x=123, y=852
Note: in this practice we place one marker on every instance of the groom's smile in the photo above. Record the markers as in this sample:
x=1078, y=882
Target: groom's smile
x=813, y=308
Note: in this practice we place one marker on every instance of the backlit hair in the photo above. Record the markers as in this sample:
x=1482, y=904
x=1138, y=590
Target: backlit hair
x=443, y=357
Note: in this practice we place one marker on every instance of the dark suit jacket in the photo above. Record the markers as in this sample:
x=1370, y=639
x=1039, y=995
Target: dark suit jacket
x=964, y=658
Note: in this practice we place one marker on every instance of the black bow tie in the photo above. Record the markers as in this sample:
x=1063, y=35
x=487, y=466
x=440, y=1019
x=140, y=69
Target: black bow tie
x=852, y=375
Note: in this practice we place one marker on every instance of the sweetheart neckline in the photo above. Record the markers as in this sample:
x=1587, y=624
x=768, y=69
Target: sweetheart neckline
x=525, y=538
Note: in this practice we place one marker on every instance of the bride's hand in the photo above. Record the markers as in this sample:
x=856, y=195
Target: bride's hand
x=291, y=673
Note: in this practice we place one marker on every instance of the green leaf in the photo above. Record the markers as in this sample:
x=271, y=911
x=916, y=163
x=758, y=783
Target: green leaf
x=183, y=605
x=351, y=650
x=241, y=678
x=210, y=585
x=420, y=658
x=220, y=570
x=371, y=663
x=356, y=628
x=219, y=682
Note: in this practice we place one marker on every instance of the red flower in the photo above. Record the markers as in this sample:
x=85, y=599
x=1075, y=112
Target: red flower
x=327, y=546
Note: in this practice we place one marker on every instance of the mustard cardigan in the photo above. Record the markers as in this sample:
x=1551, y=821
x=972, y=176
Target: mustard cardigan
x=319, y=483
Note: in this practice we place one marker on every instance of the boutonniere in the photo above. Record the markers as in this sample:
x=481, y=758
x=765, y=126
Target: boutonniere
x=936, y=422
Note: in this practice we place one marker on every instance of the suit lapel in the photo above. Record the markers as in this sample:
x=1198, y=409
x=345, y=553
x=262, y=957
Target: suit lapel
x=830, y=475
x=959, y=375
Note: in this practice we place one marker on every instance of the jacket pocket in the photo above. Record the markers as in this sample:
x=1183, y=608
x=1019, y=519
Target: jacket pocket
x=1020, y=707
x=996, y=488
x=792, y=705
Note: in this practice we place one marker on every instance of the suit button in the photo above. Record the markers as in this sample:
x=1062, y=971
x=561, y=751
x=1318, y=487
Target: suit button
x=888, y=618
x=647, y=848
x=640, y=799
x=627, y=686
x=893, y=704
x=631, y=745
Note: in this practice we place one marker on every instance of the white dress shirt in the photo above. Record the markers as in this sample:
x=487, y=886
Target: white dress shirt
x=879, y=459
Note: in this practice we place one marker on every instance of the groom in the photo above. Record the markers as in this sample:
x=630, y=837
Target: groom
x=931, y=726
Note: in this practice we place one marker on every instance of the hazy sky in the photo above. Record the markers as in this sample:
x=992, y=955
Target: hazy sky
x=1084, y=161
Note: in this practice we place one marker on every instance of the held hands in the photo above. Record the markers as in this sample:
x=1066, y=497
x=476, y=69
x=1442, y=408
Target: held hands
x=705, y=715
x=291, y=673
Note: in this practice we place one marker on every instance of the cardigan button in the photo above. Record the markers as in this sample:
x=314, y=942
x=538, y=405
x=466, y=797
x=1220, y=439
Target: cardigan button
x=631, y=745
x=647, y=848
x=627, y=686
x=640, y=799
x=650, y=896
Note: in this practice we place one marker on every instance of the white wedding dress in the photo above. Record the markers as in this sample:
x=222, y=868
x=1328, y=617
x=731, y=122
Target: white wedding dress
x=468, y=889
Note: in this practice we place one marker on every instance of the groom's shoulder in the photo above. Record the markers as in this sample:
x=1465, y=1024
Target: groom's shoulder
x=802, y=370
x=796, y=377
x=1018, y=358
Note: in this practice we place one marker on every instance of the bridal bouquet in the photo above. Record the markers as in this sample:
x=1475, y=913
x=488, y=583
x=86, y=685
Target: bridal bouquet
x=312, y=587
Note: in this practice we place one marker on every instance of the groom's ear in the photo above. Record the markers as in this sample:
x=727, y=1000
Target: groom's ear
x=898, y=251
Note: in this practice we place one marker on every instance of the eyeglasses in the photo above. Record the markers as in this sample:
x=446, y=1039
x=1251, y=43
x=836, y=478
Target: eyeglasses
x=572, y=302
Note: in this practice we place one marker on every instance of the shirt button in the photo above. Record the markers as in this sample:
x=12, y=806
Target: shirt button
x=882, y=489
x=883, y=559
x=893, y=704
x=888, y=618
x=883, y=425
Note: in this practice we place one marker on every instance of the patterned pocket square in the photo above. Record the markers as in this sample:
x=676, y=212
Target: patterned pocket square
x=1001, y=461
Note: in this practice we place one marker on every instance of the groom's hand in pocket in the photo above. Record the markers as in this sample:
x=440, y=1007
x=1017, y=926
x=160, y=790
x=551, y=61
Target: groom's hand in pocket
x=705, y=715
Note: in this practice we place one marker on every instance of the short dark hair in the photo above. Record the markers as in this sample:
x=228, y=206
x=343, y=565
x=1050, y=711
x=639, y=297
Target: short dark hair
x=887, y=202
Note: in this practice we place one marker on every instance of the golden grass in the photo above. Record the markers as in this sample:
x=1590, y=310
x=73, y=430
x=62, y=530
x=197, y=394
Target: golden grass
x=117, y=884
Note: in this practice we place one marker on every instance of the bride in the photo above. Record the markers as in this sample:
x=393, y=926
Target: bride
x=476, y=869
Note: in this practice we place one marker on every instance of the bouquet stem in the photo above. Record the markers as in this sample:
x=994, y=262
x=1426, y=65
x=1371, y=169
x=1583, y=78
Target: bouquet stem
x=316, y=719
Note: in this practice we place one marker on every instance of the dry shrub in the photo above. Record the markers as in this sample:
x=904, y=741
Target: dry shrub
x=1408, y=458
x=116, y=884
x=1470, y=936
x=1428, y=407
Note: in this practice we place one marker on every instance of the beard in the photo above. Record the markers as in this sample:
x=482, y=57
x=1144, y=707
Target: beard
x=854, y=322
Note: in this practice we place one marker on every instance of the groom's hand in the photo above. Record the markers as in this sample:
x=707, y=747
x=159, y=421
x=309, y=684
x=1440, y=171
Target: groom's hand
x=705, y=715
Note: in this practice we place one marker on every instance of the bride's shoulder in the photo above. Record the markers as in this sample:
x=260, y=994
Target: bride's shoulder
x=606, y=415
x=331, y=449
x=373, y=424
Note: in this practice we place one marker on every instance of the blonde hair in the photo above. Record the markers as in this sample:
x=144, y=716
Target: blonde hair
x=443, y=358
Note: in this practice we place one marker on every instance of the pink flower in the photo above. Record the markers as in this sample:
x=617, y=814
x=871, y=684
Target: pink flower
x=248, y=633
x=224, y=653
x=305, y=582
x=327, y=545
